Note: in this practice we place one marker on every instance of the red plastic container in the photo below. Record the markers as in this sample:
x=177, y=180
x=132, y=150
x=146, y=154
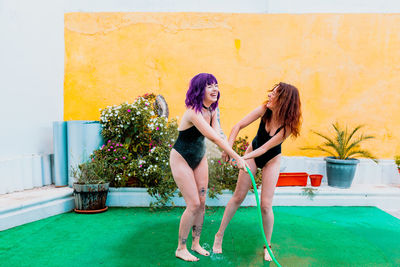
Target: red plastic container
x=292, y=179
x=315, y=179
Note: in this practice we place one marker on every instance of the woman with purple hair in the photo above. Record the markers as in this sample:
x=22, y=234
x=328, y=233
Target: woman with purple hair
x=188, y=162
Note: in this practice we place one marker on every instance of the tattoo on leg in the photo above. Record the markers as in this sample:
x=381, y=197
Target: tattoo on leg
x=197, y=230
x=202, y=191
x=183, y=241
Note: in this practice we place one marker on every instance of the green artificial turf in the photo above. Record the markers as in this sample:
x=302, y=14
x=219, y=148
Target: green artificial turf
x=303, y=236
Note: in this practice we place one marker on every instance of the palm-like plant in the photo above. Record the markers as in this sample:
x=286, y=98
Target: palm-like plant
x=343, y=145
x=397, y=161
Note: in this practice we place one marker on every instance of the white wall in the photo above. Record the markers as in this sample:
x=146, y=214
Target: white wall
x=32, y=54
x=334, y=6
x=31, y=69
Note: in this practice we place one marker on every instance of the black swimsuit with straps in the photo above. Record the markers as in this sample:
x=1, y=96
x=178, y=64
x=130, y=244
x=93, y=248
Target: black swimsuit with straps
x=261, y=138
x=191, y=145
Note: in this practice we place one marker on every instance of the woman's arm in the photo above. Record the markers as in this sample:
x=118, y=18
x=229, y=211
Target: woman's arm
x=249, y=118
x=274, y=141
x=206, y=130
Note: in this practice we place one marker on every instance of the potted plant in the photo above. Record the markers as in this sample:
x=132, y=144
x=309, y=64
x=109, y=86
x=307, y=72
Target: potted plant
x=340, y=166
x=91, y=186
x=397, y=161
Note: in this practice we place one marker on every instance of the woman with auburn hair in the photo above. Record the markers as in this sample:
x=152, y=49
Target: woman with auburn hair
x=188, y=161
x=279, y=117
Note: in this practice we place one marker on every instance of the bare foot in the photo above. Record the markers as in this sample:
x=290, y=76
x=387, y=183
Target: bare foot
x=267, y=257
x=217, y=247
x=185, y=255
x=197, y=248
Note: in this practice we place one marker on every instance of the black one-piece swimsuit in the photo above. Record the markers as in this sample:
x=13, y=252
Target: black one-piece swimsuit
x=190, y=144
x=261, y=138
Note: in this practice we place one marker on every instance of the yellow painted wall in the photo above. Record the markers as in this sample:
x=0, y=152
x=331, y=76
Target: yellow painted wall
x=346, y=66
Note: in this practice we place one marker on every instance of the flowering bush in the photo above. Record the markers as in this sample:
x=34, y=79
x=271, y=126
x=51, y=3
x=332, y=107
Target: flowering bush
x=138, y=146
x=130, y=123
x=118, y=158
x=222, y=175
x=240, y=145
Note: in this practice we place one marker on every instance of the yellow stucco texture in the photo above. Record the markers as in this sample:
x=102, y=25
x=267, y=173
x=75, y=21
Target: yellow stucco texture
x=346, y=66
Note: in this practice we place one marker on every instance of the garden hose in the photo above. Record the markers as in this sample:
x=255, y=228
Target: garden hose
x=260, y=216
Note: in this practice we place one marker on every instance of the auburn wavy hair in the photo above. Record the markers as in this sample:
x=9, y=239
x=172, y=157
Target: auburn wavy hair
x=288, y=108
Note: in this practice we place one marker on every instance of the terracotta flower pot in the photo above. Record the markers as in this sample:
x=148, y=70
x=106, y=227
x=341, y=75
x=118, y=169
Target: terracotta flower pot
x=292, y=179
x=315, y=179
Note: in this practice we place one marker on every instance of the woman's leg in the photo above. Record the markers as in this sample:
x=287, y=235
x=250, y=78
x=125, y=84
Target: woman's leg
x=242, y=187
x=201, y=178
x=184, y=178
x=270, y=175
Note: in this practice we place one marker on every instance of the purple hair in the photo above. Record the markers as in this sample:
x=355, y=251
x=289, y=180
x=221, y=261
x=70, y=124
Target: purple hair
x=195, y=94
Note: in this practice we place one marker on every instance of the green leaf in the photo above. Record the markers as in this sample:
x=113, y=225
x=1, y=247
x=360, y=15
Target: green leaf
x=341, y=142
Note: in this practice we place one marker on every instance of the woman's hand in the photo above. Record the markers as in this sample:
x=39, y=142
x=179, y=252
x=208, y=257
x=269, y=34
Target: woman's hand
x=241, y=164
x=225, y=156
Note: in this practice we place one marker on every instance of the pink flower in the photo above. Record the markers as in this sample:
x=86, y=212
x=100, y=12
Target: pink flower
x=140, y=166
x=129, y=110
x=113, y=143
x=157, y=128
x=109, y=141
x=219, y=162
x=108, y=149
x=146, y=104
x=116, y=159
x=115, y=150
x=124, y=157
x=111, y=147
